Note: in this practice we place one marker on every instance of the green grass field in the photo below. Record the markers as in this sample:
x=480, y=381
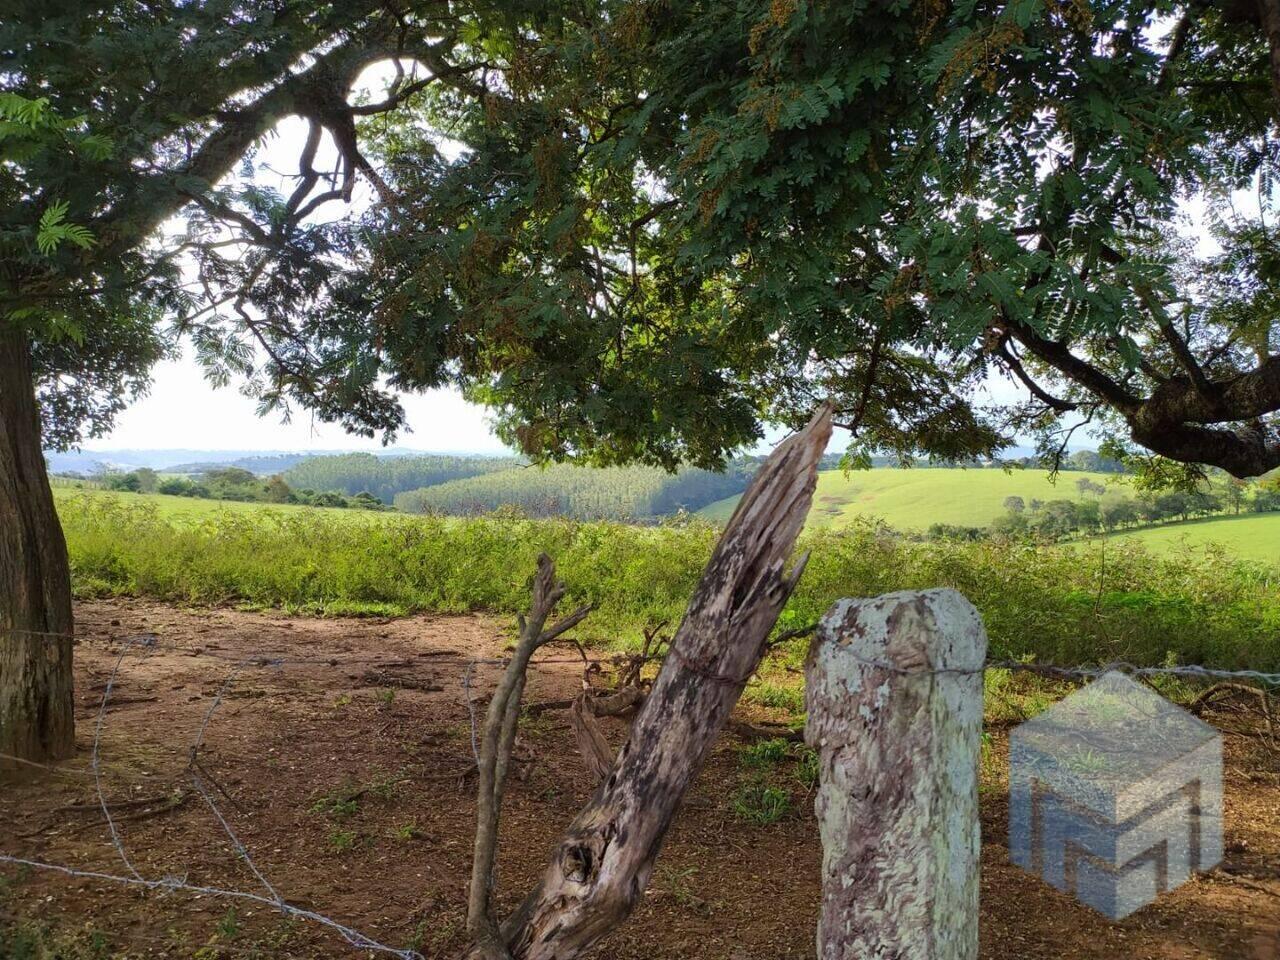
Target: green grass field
x=1072, y=603
x=905, y=499
x=915, y=499
x=912, y=499
x=1247, y=537
x=195, y=508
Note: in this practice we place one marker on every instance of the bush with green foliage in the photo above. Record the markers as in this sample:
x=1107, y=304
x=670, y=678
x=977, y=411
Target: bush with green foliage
x=235, y=484
x=1062, y=518
x=183, y=487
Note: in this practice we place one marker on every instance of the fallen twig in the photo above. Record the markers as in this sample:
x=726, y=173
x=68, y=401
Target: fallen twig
x=753, y=731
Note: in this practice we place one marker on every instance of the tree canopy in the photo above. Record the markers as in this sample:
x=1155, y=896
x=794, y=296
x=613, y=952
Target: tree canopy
x=642, y=230
x=132, y=215
x=664, y=224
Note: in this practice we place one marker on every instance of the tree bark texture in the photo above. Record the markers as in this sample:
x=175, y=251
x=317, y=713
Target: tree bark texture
x=600, y=867
x=894, y=699
x=36, y=709
x=1269, y=17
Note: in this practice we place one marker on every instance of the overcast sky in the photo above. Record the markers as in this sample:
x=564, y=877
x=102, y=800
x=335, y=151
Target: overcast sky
x=184, y=411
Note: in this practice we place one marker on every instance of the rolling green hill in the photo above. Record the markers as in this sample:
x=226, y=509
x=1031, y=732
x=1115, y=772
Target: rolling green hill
x=195, y=508
x=913, y=499
x=384, y=477
x=970, y=498
x=1250, y=536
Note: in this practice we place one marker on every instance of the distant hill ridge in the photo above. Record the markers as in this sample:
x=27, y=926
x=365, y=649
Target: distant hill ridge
x=265, y=465
x=184, y=460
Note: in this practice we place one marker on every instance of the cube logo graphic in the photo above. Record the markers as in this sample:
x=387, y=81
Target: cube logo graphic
x=1115, y=795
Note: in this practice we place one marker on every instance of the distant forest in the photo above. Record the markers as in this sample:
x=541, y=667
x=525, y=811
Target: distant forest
x=266, y=465
x=385, y=477
x=585, y=493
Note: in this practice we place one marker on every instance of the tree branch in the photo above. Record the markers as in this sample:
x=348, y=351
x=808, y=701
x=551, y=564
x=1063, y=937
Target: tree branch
x=497, y=741
x=1015, y=366
x=314, y=93
x=1059, y=356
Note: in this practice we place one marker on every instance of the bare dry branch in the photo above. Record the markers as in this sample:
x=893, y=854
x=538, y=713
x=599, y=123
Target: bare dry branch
x=497, y=741
x=595, y=749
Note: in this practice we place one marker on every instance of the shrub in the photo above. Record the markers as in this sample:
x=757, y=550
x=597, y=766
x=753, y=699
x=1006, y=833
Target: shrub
x=1061, y=604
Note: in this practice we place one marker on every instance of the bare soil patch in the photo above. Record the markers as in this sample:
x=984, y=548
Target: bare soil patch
x=343, y=777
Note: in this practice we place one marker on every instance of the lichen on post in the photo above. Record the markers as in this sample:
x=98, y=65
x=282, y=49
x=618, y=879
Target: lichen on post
x=894, y=699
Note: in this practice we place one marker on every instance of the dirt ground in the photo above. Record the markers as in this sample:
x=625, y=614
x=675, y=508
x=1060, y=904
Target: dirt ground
x=341, y=776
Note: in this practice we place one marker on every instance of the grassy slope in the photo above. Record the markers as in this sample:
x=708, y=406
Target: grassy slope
x=1071, y=604
x=1248, y=537
x=195, y=508
x=913, y=499
x=920, y=497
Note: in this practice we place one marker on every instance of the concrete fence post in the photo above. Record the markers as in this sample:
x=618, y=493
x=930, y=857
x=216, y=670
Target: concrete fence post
x=894, y=699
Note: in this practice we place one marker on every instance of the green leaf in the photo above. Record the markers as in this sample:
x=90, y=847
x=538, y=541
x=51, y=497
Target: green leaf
x=53, y=230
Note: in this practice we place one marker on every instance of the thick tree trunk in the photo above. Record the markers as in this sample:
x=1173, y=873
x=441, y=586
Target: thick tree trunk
x=36, y=720
x=601, y=866
x=1269, y=14
x=893, y=690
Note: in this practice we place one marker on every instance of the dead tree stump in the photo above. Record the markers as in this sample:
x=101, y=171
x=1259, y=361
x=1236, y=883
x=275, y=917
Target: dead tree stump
x=600, y=867
x=894, y=698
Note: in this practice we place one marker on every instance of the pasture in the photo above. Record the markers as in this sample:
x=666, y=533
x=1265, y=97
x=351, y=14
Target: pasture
x=1247, y=537
x=197, y=508
x=1072, y=603
x=914, y=498
x=907, y=494
x=345, y=756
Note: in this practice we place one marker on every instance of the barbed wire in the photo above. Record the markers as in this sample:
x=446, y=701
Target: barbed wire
x=151, y=643
x=1189, y=670
x=172, y=883
x=194, y=766
x=1048, y=670
x=94, y=764
x=50, y=634
x=1076, y=673
x=155, y=642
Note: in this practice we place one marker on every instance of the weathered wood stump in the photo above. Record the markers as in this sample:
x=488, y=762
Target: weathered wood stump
x=601, y=865
x=894, y=698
